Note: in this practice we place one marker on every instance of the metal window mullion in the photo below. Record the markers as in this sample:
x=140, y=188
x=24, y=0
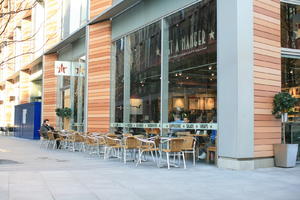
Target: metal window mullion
x=164, y=73
x=126, y=111
x=113, y=85
x=72, y=93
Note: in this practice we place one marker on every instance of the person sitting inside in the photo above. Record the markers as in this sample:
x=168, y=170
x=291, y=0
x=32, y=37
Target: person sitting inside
x=45, y=128
x=173, y=131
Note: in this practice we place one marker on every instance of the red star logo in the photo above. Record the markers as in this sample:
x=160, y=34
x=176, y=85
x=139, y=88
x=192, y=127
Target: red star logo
x=61, y=69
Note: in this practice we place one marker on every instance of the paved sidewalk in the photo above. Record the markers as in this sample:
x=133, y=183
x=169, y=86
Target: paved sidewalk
x=30, y=173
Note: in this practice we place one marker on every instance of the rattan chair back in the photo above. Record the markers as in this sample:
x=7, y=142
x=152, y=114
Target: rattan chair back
x=127, y=134
x=111, y=141
x=50, y=135
x=188, y=142
x=176, y=144
x=131, y=142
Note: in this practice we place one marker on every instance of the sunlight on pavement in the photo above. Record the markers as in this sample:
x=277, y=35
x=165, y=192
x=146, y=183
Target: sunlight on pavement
x=4, y=150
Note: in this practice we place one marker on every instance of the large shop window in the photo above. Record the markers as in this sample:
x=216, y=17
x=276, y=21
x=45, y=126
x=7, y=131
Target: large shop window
x=290, y=73
x=192, y=64
x=166, y=72
x=145, y=74
x=118, y=47
x=290, y=26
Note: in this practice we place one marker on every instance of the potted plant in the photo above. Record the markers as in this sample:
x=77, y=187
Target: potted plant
x=285, y=154
x=63, y=113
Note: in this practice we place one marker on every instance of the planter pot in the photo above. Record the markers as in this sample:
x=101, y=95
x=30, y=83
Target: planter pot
x=285, y=155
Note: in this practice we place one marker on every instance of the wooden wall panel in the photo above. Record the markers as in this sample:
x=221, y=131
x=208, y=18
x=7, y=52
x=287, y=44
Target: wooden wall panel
x=96, y=7
x=26, y=29
x=52, y=22
x=267, y=75
x=99, y=77
x=49, y=88
x=24, y=87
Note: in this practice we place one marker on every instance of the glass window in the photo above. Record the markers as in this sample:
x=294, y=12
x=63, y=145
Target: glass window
x=192, y=64
x=18, y=50
x=291, y=83
x=74, y=15
x=78, y=93
x=144, y=62
x=119, y=80
x=290, y=75
x=290, y=26
x=39, y=28
x=72, y=94
x=189, y=76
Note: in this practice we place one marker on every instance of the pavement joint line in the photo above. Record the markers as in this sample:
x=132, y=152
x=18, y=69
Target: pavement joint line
x=47, y=186
x=84, y=185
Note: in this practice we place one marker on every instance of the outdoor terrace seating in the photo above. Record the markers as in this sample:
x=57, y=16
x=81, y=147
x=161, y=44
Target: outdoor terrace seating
x=126, y=147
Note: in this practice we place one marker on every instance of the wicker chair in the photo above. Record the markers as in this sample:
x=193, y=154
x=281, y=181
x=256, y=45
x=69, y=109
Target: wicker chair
x=130, y=144
x=148, y=146
x=91, y=145
x=51, y=139
x=189, y=146
x=113, y=146
x=43, y=140
x=175, y=149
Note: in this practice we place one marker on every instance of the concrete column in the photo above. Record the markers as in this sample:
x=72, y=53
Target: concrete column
x=235, y=84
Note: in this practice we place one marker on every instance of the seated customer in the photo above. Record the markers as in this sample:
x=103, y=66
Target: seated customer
x=173, y=131
x=45, y=128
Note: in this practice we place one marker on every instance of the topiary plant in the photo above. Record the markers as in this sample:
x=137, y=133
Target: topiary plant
x=67, y=112
x=283, y=102
x=63, y=113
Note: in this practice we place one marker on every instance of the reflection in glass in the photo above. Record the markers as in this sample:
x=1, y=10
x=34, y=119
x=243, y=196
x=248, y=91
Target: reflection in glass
x=79, y=88
x=290, y=26
x=145, y=48
x=290, y=72
x=72, y=94
x=192, y=64
x=119, y=77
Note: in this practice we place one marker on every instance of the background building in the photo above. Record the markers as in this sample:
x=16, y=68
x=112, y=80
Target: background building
x=135, y=64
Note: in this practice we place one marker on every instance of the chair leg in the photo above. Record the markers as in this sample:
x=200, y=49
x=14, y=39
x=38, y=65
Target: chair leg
x=152, y=156
x=174, y=158
x=183, y=158
x=194, y=158
x=168, y=160
x=156, y=158
x=139, y=158
x=207, y=156
x=124, y=156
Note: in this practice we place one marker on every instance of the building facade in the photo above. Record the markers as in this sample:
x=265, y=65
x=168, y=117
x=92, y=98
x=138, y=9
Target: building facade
x=127, y=65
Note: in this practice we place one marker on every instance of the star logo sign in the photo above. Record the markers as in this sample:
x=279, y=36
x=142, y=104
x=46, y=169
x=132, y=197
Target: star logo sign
x=61, y=69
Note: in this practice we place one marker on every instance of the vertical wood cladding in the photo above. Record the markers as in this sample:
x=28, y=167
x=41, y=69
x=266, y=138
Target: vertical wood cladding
x=267, y=75
x=99, y=77
x=27, y=44
x=49, y=89
x=96, y=7
x=24, y=87
x=52, y=22
x=99, y=69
